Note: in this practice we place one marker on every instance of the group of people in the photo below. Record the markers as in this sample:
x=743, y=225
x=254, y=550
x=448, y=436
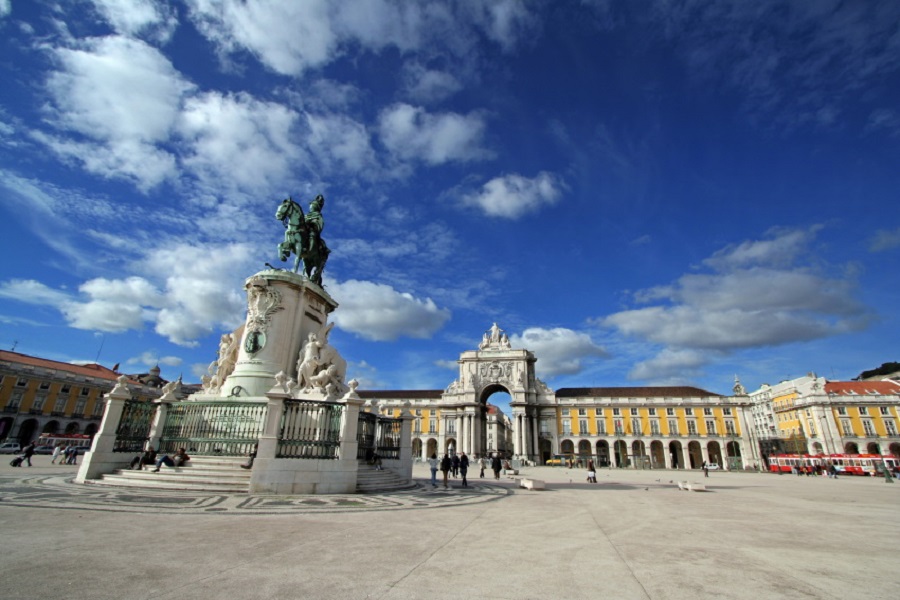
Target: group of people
x=458, y=465
x=67, y=455
x=149, y=457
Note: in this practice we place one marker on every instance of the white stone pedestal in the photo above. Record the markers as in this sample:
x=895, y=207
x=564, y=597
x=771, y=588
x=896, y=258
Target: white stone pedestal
x=282, y=310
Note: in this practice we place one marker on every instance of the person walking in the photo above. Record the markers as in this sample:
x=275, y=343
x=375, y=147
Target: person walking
x=705, y=469
x=496, y=465
x=28, y=452
x=482, y=463
x=446, y=464
x=464, y=468
x=71, y=455
x=454, y=464
x=592, y=472
x=433, y=464
x=57, y=450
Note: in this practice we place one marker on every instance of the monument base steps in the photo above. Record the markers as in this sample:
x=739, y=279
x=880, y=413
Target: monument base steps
x=202, y=474
x=369, y=480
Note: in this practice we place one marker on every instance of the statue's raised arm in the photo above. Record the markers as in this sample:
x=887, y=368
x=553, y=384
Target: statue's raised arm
x=303, y=237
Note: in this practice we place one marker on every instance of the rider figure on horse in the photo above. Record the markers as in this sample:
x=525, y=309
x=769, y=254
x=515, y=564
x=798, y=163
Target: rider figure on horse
x=314, y=221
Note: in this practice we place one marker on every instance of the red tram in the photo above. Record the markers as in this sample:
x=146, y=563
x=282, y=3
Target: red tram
x=846, y=464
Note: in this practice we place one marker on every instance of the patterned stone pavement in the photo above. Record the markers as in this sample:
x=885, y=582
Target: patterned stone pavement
x=61, y=492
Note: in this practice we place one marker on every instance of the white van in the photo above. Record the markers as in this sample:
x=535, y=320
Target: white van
x=10, y=448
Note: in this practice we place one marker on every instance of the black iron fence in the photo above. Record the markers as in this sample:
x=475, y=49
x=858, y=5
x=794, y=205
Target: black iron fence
x=366, y=428
x=310, y=429
x=134, y=426
x=388, y=440
x=213, y=428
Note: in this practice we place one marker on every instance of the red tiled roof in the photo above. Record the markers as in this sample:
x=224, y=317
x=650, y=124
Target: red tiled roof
x=862, y=388
x=91, y=370
x=634, y=392
x=400, y=394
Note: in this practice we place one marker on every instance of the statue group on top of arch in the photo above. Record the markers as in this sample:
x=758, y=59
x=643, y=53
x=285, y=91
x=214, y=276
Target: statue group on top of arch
x=494, y=339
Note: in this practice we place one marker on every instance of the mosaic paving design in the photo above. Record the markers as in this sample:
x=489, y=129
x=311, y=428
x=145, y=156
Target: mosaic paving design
x=62, y=493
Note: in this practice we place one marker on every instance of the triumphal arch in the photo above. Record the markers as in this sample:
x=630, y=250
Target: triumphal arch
x=460, y=418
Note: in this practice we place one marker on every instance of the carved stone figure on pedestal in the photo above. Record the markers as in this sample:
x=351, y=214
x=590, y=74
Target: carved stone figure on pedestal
x=308, y=363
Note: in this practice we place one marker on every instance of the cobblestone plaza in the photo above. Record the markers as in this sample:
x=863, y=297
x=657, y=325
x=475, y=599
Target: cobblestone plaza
x=631, y=535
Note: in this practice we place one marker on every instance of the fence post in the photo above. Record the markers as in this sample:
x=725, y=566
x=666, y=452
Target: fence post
x=406, y=463
x=158, y=425
x=268, y=441
x=101, y=458
x=350, y=425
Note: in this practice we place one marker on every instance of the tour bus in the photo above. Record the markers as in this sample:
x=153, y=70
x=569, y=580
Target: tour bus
x=847, y=464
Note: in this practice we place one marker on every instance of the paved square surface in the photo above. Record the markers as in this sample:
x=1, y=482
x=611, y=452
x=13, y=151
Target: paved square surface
x=631, y=535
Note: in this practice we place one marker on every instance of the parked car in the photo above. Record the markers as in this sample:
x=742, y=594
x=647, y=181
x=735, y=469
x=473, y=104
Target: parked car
x=712, y=467
x=43, y=450
x=10, y=448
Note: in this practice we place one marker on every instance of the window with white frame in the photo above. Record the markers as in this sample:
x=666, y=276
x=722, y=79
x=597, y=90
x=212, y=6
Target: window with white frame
x=99, y=404
x=863, y=411
x=729, y=427
x=654, y=427
x=868, y=427
x=567, y=427
x=842, y=410
x=21, y=382
x=15, y=400
x=545, y=426
x=846, y=429
x=727, y=411
x=883, y=410
x=85, y=391
x=583, y=426
x=66, y=388
x=651, y=411
x=692, y=427
x=670, y=412
x=636, y=428
x=601, y=426
x=619, y=429
x=38, y=403
x=45, y=385
x=673, y=427
x=891, y=427
x=634, y=412
x=615, y=412
x=60, y=404
x=451, y=426
x=432, y=425
x=79, y=405
x=710, y=427
x=582, y=412
x=707, y=412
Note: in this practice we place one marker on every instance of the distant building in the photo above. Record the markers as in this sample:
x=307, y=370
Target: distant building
x=38, y=395
x=811, y=415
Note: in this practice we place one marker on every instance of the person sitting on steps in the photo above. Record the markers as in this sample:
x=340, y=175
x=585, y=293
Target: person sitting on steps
x=179, y=459
x=249, y=463
x=148, y=458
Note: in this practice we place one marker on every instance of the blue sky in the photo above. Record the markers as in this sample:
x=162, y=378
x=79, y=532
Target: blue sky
x=640, y=192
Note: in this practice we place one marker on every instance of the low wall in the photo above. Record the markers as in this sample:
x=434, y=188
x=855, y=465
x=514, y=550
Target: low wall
x=288, y=476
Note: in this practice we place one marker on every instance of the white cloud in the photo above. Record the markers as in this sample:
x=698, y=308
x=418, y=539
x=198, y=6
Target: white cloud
x=562, y=351
x=203, y=288
x=5, y=8
x=122, y=96
x=512, y=196
x=429, y=85
x=742, y=305
x=135, y=17
x=379, y=312
x=33, y=292
x=150, y=359
x=885, y=239
x=671, y=365
x=339, y=143
x=238, y=139
x=412, y=133
x=293, y=37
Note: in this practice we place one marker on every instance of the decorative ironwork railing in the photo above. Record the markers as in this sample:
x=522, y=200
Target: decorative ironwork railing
x=213, y=428
x=388, y=440
x=134, y=426
x=367, y=425
x=310, y=429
